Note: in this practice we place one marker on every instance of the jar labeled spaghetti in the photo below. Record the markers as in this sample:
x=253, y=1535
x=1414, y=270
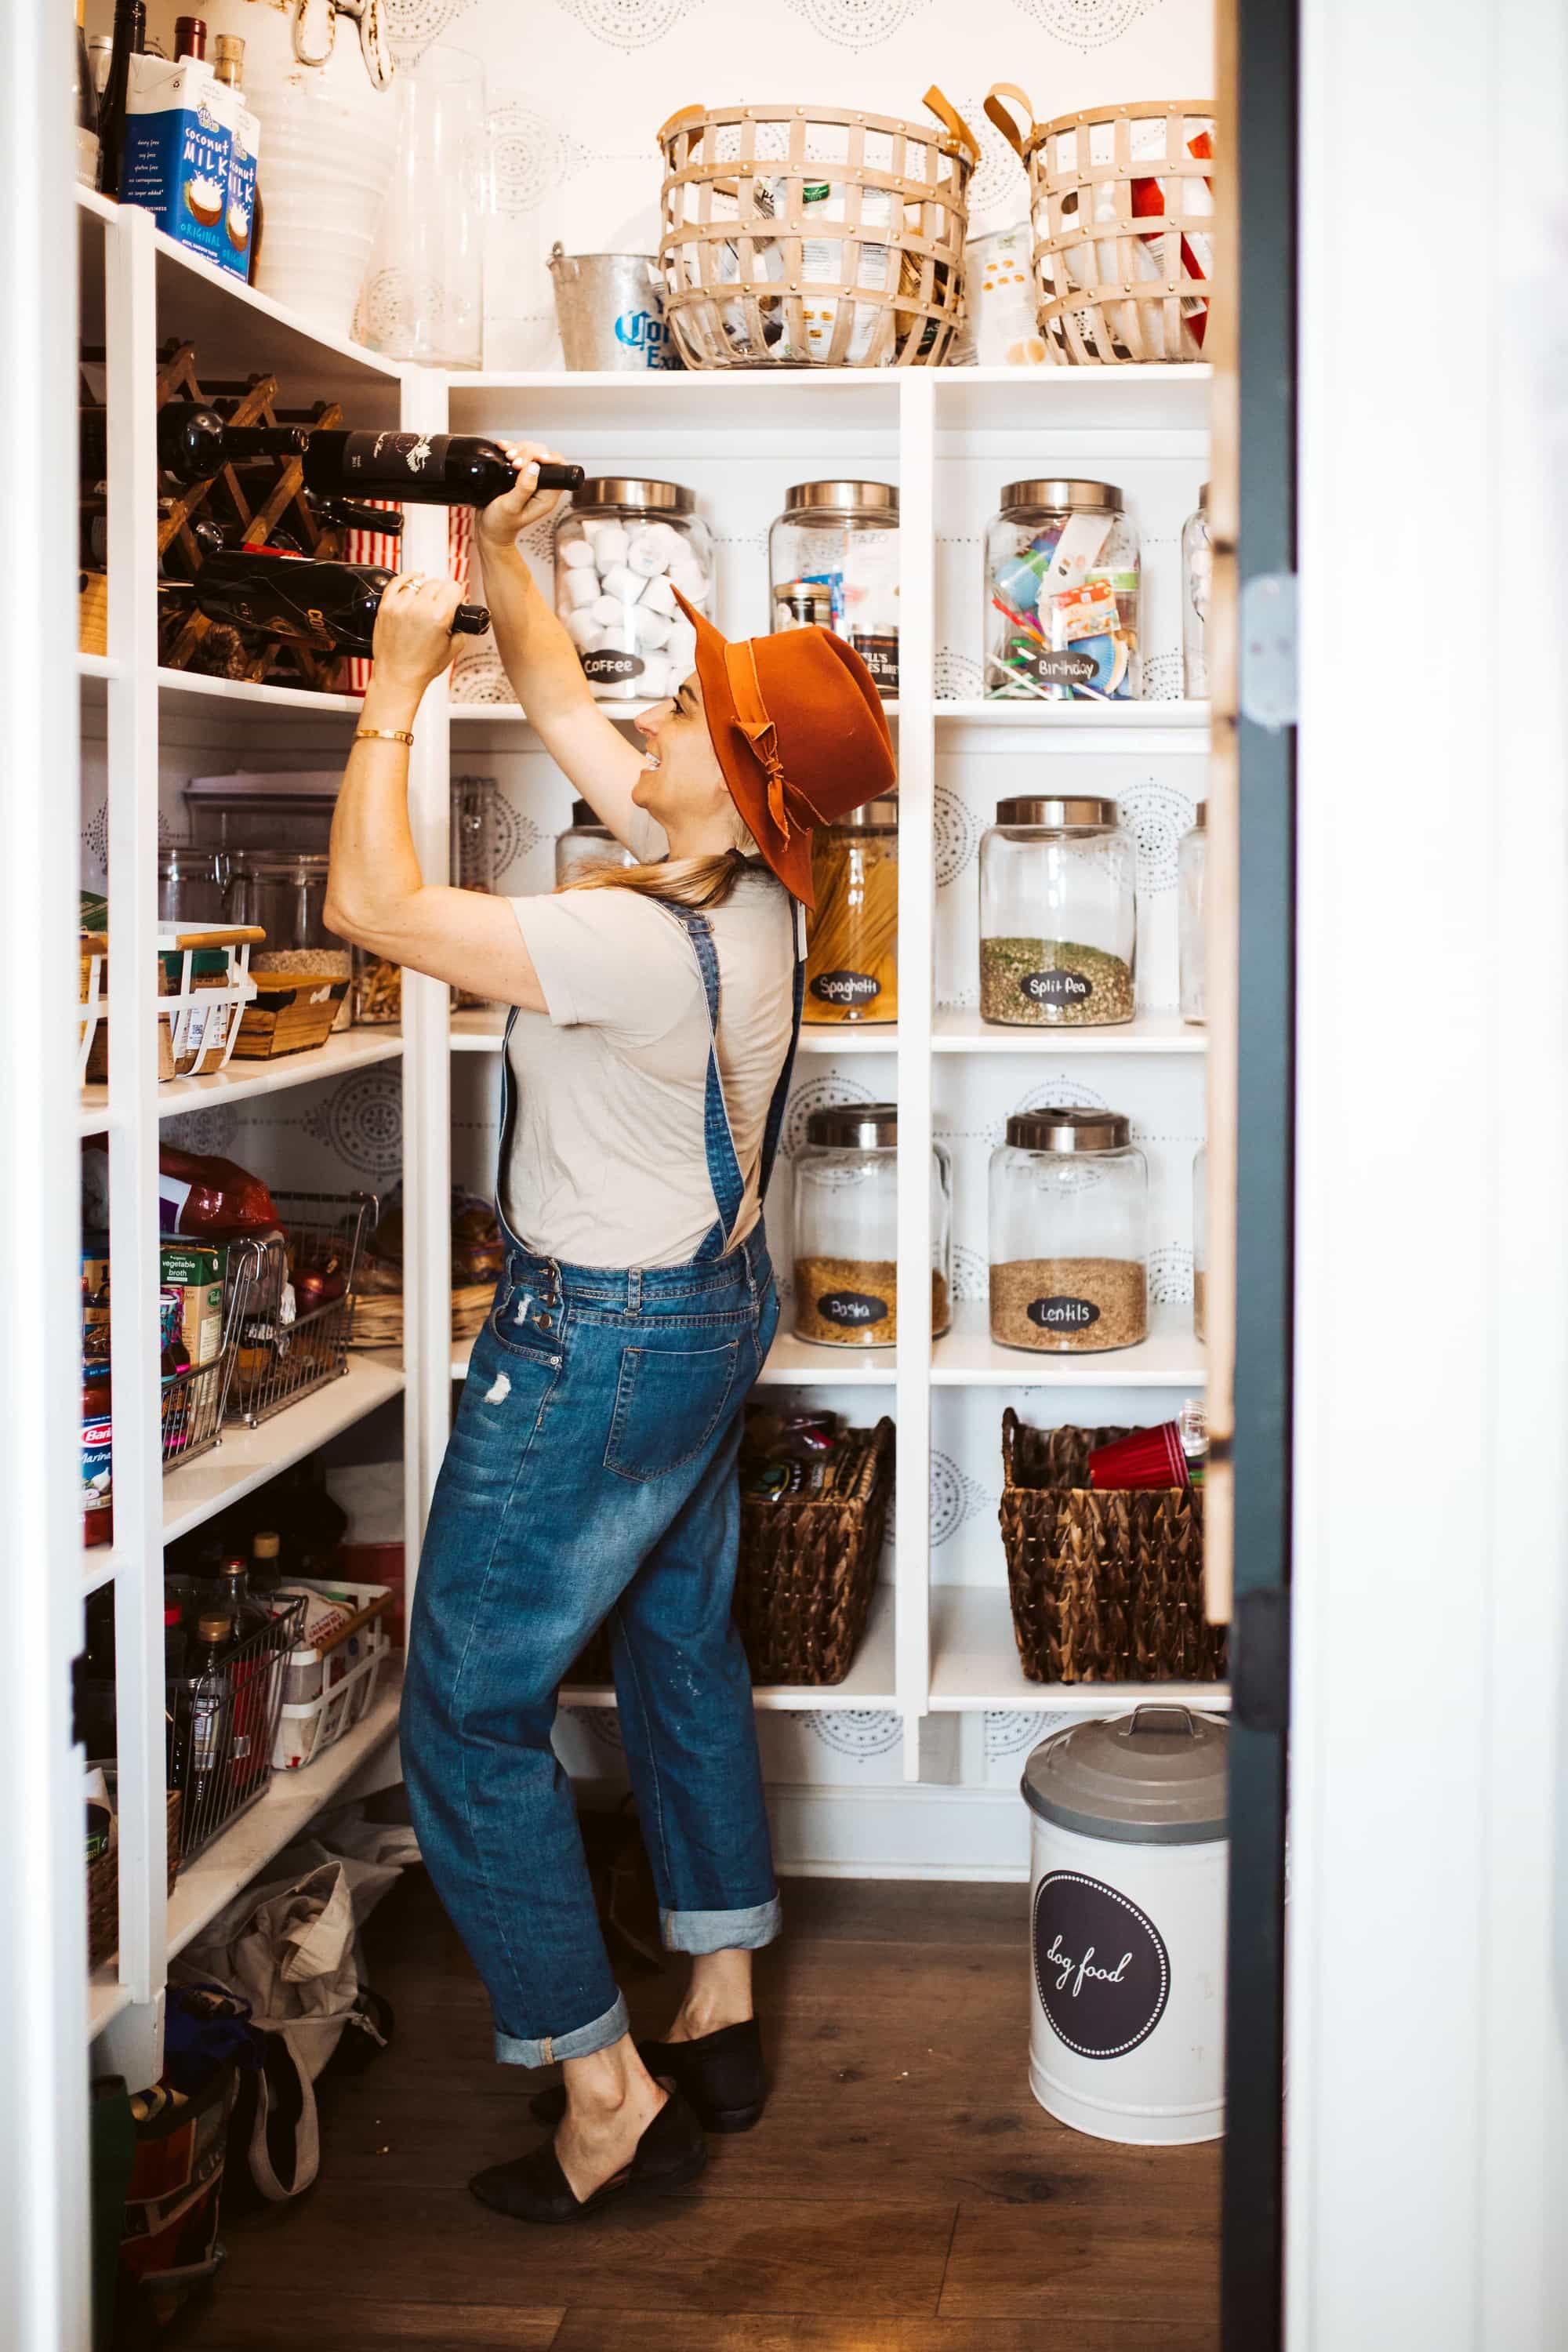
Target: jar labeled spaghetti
x=1059, y=918
x=1069, y=1233
x=852, y=938
x=1062, y=595
x=846, y=1229
x=623, y=547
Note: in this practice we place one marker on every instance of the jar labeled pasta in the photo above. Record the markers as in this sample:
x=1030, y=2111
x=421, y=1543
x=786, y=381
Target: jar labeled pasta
x=623, y=547
x=833, y=558
x=1192, y=880
x=1061, y=595
x=1200, y=1240
x=1069, y=1233
x=587, y=844
x=846, y=1229
x=1058, y=915
x=852, y=938
x=1197, y=571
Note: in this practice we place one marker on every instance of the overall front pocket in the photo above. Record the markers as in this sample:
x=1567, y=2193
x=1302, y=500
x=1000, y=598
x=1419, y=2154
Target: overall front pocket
x=669, y=1403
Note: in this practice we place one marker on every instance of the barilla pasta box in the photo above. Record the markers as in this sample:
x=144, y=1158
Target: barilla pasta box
x=179, y=140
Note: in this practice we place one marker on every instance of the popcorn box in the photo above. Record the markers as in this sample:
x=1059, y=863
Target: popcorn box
x=179, y=143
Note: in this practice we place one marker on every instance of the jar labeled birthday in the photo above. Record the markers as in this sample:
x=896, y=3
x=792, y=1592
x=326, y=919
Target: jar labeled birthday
x=1062, y=595
x=623, y=547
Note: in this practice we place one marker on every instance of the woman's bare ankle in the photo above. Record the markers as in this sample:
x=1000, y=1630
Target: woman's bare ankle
x=720, y=1994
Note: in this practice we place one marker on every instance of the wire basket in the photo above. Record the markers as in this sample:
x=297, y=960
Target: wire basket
x=1122, y=198
x=282, y=1354
x=814, y=236
x=193, y=1403
x=222, y=1725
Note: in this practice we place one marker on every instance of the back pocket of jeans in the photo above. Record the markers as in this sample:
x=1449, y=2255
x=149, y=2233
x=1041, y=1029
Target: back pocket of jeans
x=668, y=1404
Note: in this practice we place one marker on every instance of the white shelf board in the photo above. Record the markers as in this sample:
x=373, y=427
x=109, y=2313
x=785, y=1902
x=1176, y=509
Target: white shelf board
x=106, y=1996
x=1103, y=399
x=291, y=1802
x=1112, y=718
x=101, y=1566
x=247, y=1458
x=962, y=1031
x=968, y=1357
x=838, y=1037
x=476, y=1033
x=553, y=404
x=512, y=714
x=974, y=1667
x=180, y=690
x=867, y=1684
x=96, y=669
x=349, y=1049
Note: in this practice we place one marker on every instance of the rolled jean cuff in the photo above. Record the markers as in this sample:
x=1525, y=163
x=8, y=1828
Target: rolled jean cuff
x=515, y=2049
x=723, y=1931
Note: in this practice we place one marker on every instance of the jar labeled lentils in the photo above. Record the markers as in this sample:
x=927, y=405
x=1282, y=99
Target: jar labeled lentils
x=833, y=558
x=1058, y=915
x=1192, y=880
x=846, y=1229
x=1062, y=595
x=1069, y=1233
x=623, y=547
x=852, y=938
x=1197, y=572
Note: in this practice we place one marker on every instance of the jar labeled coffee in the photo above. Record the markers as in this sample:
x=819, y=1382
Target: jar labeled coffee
x=623, y=547
x=833, y=558
x=852, y=938
x=1197, y=573
x=1191, y=883
x=846, y=1229
x=1059, y=916
x=1062, y=595
x=1069, y=1233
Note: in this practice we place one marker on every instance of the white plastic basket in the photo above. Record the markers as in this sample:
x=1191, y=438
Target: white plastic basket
x=330, y=1678
x=198, y=1026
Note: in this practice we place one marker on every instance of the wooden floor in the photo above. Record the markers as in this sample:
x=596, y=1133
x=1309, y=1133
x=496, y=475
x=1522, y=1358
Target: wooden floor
x=903, y=2192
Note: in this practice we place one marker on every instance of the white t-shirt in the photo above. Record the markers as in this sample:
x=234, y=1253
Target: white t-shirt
x=607, y=1165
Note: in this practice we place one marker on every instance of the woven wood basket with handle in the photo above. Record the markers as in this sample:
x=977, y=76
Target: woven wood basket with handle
x=1105, y=1586
x=104, y=1889
x=1122, y=198
x=814, y=236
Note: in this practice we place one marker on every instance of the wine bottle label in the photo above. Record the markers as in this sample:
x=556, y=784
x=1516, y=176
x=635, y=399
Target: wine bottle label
x=1062, y=1314
x=378, y=460
x=851, y=1307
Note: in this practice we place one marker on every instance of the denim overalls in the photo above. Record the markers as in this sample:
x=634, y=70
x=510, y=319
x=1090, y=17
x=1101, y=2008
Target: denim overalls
x=591, y=1474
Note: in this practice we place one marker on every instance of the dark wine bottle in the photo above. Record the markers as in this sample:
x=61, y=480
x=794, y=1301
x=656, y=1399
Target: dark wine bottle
x=130, y=38
x=329, y=606
x=194, y=443
x=434, y=469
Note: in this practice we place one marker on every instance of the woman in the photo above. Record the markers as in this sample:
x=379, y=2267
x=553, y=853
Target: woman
x=591, y=1473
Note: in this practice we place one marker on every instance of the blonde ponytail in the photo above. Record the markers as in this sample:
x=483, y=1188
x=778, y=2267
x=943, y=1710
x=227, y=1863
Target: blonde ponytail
x=697, y=882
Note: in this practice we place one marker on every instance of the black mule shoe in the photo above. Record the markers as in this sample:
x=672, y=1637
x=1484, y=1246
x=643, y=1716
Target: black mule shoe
x=534, y=2188
x=720, y=2074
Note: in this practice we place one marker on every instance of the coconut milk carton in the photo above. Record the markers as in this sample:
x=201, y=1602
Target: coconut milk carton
x=179, y=138
x=238, y=220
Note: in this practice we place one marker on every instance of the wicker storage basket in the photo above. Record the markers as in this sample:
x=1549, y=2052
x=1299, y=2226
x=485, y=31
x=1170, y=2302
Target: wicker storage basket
x=103, y=1890
x=1122, y=204
x=378, y=1316
x=814, y=236
x=1106, y=1587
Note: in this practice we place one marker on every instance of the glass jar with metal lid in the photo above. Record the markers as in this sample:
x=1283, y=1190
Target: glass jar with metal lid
x=846, y=1229
x=585, y=846
x=1062, y=595
x=1197, y=572
x=623, y=547
x=833, y=558
x=1069, y=1233
x=192, y=885
x=1058, y=915
x=1191, y=883
x=852, y=938
x=286, y=892
x=1200, y=1241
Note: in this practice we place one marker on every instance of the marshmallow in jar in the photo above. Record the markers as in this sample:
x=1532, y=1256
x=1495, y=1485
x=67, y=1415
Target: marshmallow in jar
x=623, y=547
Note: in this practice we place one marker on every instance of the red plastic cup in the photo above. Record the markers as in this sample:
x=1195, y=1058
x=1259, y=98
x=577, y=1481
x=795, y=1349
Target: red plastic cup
x=1145, y=1457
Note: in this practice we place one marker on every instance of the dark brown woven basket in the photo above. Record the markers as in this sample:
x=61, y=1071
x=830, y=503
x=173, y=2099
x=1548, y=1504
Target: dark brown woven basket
x=104, y=1892
x=807, y=1571
x=1105, y=1586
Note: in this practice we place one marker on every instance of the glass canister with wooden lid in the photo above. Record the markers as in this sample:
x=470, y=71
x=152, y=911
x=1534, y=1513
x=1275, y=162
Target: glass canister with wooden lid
x=852, y=938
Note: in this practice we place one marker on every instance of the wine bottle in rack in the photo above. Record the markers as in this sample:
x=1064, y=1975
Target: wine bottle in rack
x=194, y=443
x=434, y=469
x=331, y=607
x=130, y=40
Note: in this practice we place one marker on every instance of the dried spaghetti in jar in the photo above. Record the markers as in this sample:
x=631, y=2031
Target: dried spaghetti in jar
x=852, y=939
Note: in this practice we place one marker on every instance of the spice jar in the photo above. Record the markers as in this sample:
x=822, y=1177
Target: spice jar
x=846, y=1227
x=852, y=938
x=623, y=547
x=1061, y=595
x=1058, y=915
x=585, y=846
x=1197, y=571
x=1069, y=1233
x=833, y=558
x=286, y=892
x=1200, y=1238
x=1191, y=877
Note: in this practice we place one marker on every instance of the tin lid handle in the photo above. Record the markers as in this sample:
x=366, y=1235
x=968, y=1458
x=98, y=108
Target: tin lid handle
x=1183, y=1720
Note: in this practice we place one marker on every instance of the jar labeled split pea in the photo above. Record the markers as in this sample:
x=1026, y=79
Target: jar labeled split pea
x=1069, y=1233
x=1062, y=595
x=852, y=938
x=623, y=547
x=1192, y=881
x=1197, y=572
x=1058, y=915
x=846, y=1229
x=833, y=558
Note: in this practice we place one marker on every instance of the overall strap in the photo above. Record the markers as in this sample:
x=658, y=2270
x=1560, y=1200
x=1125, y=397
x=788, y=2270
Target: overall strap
x=780, y=1091
x=505, y=1142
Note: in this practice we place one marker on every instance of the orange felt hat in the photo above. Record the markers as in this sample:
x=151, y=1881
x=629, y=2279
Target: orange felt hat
x=800, y=732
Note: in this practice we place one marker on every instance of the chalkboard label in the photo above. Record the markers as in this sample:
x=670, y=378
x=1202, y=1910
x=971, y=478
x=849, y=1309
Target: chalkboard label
x=1101, y=1966
x=845, y=988
x=1055, y=988
x=609, y=669
x=1064, y=668
x=851, y=1307
x=1062, y=1314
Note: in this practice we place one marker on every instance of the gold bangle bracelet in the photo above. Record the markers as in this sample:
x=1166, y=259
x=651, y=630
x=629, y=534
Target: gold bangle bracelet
x=384, y=735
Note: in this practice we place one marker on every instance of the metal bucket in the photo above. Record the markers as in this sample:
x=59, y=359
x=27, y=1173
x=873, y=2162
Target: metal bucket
x=611, y=309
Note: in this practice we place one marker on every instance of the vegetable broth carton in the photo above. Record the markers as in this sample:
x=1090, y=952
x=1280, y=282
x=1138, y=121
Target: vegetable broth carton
x=178, y=158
